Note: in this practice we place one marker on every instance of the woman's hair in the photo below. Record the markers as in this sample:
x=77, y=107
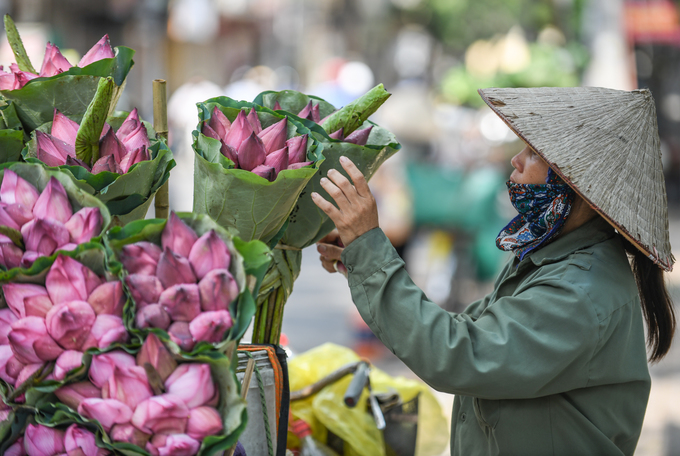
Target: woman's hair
x=657, y=306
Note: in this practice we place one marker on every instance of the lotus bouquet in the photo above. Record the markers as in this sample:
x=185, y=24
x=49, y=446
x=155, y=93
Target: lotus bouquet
x=40, y=440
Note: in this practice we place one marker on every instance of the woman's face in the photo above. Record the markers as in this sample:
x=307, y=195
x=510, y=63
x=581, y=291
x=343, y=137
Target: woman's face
x=529, y=168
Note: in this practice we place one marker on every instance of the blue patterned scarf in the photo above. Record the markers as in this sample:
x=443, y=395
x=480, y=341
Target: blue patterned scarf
x=542, y=208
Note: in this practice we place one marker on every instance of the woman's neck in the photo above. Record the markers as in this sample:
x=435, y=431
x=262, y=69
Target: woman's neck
x=581, y=212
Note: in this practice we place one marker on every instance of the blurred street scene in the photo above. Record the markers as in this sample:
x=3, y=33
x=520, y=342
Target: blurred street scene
x=442, y=198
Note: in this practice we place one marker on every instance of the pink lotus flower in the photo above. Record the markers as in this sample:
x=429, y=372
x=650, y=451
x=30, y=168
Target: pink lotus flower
x=69, y=280
x=43, y=441
x=69, y=323
x=339, y=135
x=173, y=445
x=107, y=330
x=19, y=213
x=129, y=385
x=137, y=138
x=278, y=160
x=106, y=163
x=110, y=145
x=130, y=124
x=217, y=290
x=74, y=393
x=53, y=203
x=251, y=153
x=44, y=236
x=80, y=441
x=10, y=254
x=16, y=449
x=102, y=366
x=13, y=368
x=193, y=384
x=53, y=151
x=219, y=123
x=53, y=62
x=209, y=252
x=31, y=343
x=177, y=236
x=7, y=317
x=5, y=356
x=6, y=220
x=297, y=149
x=152, y=316
x=107, y=411
x=64, y=128
x=165, y=414
x=66, y=362
x=254, y=121
x=26, y=373
x=156, y=354
x=274, y=136
x=203, y=421
x=16, y=294
x=132, y=158
x=141, y=257
x=310, y=112
x=265, y=171
x=179, y=333
x=359, y=137
x=84, y=225
x=108, y=299
x=16, y=190
x=144, y=289
x=210, y=326
x=238, y=132
x=174, y=269
x=129, y=434
x=181, y=301
x=101, y=50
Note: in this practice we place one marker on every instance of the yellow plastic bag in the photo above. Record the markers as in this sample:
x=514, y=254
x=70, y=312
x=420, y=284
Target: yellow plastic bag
x=326, y=410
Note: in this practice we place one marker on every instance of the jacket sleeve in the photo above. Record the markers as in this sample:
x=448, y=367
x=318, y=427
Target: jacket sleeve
x=537, y=342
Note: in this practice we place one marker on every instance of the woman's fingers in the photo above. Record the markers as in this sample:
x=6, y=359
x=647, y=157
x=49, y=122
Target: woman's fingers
x=335, y=193
x=343, y=184
x=328, y=265
x=360, y=183
x=331, y=252
x=330, y=210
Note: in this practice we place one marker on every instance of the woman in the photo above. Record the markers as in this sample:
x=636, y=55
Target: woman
x=553, y=361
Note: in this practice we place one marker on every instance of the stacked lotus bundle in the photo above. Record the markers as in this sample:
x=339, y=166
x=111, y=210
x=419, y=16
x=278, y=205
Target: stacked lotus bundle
x=40, y=440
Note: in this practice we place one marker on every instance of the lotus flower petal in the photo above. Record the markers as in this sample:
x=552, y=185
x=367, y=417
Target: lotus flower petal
x=16, y=294
x=53, y=202
x=82, y=440
x=274, y=137
x=6, y=220
x=10, y=254
x=129, y=385
x=278, y=160
x=29, y=258
x=108, y=329
x=265, y=171
x=210, y=326
x=84, y=225
x=254, y=121
x=180, y=334
x=37, y=306
x=20, y=213
x=26, y=373
x=7, y=317
x=31, y=343
x=67, y=361
x=297, y=149
x=111, y=145
x=240, y=130
x=156, y=354
x=209, y=252
x=8, y=81
x=339, y=135
x=64, y=128
x=43, y=441
x=23, y=77
x=174, y=445
x=181, y=301
x=74, y=393
x=359, y=137
x=132, y=158
x=129, y=434
x=192, y=383
x=53, y=62
x=152, y=316
x=69, y=323
x=306, y=112
x=108, y=299
x=217, y=289
x=5, y=356
x=219, y=123
x=251, y=153
x=53, y=151
x=102, y=365
x=208, y=131
x=16, y=190
x=69, y=280
x=107, y=411
x=144, y=289
x=44, y=236
x=299, y=165
x=177, y=236
x=174, y=269
x=139, y=137
x=141, y=257
x=165, y=414
x=203, y=421
x=16, y=449
x=130, y=124
x=277, y=106
x=101, y=50
x=106, y=163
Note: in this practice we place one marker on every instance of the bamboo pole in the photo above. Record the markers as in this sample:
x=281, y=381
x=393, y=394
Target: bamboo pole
x=160, y=124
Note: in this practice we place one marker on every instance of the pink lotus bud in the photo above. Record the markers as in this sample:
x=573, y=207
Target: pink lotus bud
x=82, y=440
x=240, y=130
x=69, y=323
x=129, y=434
x=53, y=203
x=84, y=225
x=13, y=367
x=210, y=326
x=141, y=257
x=132, y=158
x=230, y=153
x=297, y=149
x=277, y=160
x=66, y=362
x=203, y=421
x=28, y=258
x=44, y=236
x=208, y=131
x=102, y=365
x=43, y=441
x=251, y=153
x=274, y=136
x=129, y=385
x=26, y=373
x=69, y=280
x=111, y=145
x=31, y=343
x=5, y=356
x=165, y=414
x=254, y=121
x=16, y=449
x=306, y=112
x=217, y=290
x=53, y=151
x=108, y=299
x=10, y=254
x=144, y=289
x=130, y=124
x=53, y=62
x=74, y=393
x=23, y=77
x=64, y=128
x=277, y=106
x=16, y=190
x=6, y=220
x=16, y=294
x=106, y=163
x=7, y=317
x=37, y=306
x=209, y=252
x=155, y=353
x=180, y=334
x=8, y=81
x=299, y=165
x=174, y=269
x=178, y=236
x=359, y=137
x=173, y=445
x=73, y=161
x=181, y=301
x=20, y=213
x=192, y=383
x=265, y=171
x=152, y=316
x=339, y=135
x=139, y=137
x=107, y=330
x=101, y=50
x=219, y=123
x=107, y=411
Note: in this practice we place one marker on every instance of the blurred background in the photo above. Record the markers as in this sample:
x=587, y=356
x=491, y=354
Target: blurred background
x=442, y=198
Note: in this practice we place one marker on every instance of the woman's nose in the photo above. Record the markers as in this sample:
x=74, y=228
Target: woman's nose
x=516, y=162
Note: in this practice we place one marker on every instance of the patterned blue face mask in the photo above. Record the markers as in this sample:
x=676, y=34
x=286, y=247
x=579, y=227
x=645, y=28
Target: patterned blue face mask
x=542, y=208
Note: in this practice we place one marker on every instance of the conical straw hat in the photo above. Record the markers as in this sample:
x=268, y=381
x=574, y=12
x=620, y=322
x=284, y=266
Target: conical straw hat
x=605, y=144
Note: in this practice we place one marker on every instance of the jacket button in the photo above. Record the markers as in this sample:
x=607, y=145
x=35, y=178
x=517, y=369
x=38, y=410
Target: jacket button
x=463, y=416
x=350, y=268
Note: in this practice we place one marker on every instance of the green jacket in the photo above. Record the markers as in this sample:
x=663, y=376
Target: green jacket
x=552, y=362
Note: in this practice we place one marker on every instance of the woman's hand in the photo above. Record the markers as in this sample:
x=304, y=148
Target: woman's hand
x=357, y=212
x=330, y=247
